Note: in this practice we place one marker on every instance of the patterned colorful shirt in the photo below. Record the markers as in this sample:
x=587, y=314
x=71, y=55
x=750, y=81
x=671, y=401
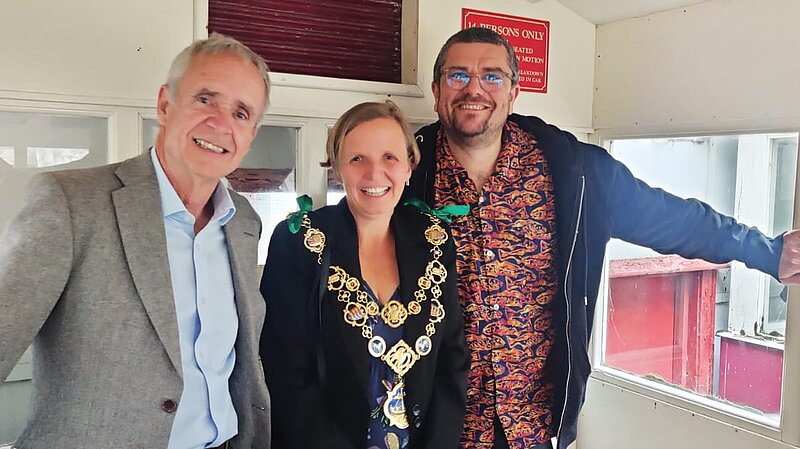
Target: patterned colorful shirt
x=507, y=281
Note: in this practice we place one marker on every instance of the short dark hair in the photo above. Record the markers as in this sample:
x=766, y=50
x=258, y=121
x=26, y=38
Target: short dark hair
x=482, y=36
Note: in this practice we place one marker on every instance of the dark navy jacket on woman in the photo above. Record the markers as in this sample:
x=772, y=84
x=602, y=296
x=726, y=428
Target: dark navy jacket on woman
x=598, y=198
x=317, y=366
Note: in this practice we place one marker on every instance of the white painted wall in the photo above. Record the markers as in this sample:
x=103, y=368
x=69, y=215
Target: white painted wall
x=723, y=66
x=632, y=420
x=91, y=48
x=716, y=66
x=568, y=101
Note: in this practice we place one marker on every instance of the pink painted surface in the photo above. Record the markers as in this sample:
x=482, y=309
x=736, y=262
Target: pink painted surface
x=661, y=320
x=641, y=318
x=649, y=266
x=750, y=374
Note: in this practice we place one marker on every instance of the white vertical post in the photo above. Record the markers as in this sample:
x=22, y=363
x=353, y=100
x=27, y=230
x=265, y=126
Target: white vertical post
x=748, y=287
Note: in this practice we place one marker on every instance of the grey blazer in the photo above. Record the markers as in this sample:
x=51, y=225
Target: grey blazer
x=84, y=275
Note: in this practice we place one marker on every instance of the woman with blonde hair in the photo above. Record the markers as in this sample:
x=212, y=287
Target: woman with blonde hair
x=363, y=345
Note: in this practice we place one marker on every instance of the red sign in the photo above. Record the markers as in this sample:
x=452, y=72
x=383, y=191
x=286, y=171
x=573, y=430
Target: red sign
x=530, y=38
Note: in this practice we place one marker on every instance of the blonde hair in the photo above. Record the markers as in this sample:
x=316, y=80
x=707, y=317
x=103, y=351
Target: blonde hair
x=365, y=112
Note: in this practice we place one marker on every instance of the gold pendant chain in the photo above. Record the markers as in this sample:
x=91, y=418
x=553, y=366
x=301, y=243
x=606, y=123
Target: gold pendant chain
x=358, y=309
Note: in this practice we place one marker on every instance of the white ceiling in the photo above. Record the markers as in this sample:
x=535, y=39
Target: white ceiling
x=605, y=11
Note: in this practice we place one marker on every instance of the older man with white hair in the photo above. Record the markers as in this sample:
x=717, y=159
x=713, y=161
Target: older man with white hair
x=137, y=283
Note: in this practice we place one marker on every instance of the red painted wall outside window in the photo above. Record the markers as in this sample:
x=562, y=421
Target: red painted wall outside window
x=661, y=326
x=661, y=320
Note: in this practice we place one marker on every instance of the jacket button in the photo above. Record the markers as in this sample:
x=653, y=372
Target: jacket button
x=169, y=406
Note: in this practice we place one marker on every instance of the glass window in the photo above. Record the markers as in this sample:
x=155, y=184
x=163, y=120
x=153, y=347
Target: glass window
x=715, y=330
x=335, y=189
x=31, y=143
x=7, y=155
x=50, y=157
x=149, y=133
x=267, y=178
x=784, y=153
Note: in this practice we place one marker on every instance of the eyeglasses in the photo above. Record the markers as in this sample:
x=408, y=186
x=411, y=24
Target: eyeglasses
x=490, y=81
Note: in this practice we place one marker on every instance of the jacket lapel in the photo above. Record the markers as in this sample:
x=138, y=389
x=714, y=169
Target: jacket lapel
x=241, y=236
x=141, y=227
x=344, y=253
x=242, y=239
x=413, y=255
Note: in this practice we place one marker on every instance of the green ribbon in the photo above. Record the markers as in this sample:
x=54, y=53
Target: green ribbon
x=445, y=213
x=296, y=218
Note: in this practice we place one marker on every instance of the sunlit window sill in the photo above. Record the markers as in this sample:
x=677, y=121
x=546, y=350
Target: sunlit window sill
x=761, y=340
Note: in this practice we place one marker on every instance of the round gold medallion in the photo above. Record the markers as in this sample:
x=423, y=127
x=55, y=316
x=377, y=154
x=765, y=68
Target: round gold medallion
x=436, y=235
x=314, y=240
x=424, y=282
x=394, y=314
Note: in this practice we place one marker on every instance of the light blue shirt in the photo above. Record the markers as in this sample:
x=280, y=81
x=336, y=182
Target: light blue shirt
x=202, y=286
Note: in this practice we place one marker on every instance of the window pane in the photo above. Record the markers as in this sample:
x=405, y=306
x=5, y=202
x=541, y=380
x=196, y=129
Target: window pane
x=785, y=155
x=7, y=155
x=267, y=179
x=692, y=324
x=335, y=189
x=51, y=157
x=31, y=143
x=149, y=133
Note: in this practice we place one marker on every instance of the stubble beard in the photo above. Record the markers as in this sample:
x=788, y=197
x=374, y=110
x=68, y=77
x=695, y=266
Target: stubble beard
x=458, y=133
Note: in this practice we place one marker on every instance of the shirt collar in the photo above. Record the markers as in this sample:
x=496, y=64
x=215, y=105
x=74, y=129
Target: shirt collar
x=516, y=142
x=446, y=158
x=171, y=204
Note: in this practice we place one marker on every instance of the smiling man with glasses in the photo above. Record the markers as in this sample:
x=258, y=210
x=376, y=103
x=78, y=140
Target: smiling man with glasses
x=490, y=80
x=531, y=249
